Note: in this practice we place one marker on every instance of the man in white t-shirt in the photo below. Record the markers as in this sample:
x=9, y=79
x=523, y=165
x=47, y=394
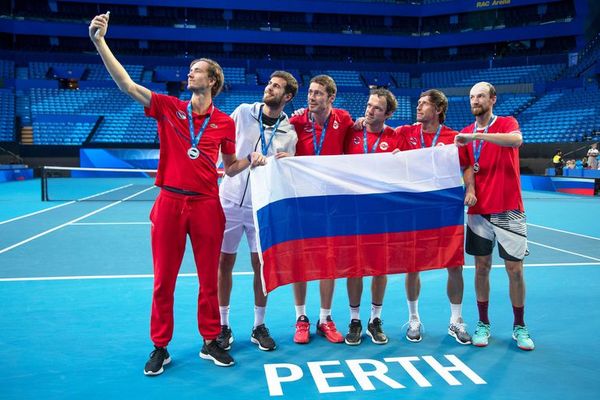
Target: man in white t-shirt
x=592, y=156
x=259, y=127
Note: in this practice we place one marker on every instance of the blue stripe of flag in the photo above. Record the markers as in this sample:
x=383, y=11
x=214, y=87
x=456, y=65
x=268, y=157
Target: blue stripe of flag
x=341, y=215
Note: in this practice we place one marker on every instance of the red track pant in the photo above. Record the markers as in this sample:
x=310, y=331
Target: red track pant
x=173, y=217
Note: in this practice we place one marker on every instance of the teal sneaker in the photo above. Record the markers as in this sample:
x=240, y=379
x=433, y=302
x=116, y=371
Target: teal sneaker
x=521, y=335
x=481, y=334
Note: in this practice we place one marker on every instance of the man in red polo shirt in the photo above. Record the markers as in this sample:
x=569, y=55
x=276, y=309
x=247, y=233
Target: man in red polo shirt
x=321, y=131
x=191, y=134
x=374, y=137
x=428, y=132
x=491, y=145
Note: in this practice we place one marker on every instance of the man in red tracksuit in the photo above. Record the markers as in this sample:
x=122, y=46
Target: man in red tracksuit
x=191, y=134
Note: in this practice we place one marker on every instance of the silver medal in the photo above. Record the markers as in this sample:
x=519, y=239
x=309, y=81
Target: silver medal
x=476, y=167
x=193, y=153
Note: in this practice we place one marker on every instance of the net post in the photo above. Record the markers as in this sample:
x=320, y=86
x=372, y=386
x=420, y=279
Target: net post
x=44, y=183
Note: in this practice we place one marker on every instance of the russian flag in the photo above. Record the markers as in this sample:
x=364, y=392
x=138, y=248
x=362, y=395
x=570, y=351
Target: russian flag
x=582, y=186
x=325, y=217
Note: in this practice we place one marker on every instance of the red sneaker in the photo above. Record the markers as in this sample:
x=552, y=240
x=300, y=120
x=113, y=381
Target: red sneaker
x=302, y=335
x=330, y=332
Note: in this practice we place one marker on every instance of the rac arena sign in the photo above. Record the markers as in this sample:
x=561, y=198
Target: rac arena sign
x=484, y=4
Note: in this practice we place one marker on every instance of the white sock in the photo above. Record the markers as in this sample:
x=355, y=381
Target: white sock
x=456, y=310
x=259, y=315
x=224, y=311
x=355, y=312
x=413, y=310
x=300, y=311
x=323, y=314
x=376, y=311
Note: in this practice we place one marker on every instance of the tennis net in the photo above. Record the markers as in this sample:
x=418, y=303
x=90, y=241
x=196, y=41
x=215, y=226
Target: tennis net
x=97, y=184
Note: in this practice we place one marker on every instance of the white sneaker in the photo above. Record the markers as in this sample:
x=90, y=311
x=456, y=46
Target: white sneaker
x=413, y=333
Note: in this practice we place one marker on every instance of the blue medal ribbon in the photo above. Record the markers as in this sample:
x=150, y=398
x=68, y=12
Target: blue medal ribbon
x=195, y=138
x=435, y=137
x=374, y=148
x=318, y=147
x=263, y=142
x=479, y=145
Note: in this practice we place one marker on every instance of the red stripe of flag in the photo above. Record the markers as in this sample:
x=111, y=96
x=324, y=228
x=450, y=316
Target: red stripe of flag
x=363, y=255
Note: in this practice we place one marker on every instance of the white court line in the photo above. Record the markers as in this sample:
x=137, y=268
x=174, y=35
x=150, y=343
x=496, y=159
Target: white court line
x=563, y=251
x=111, y=223
x=560, y=230
x=72, y=221
x=65, y=204
x=35, y=213
x=94, y=277
x=105, y=192
x=248, y=273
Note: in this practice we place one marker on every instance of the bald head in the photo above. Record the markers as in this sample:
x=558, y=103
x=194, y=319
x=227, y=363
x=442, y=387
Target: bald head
x=482, y=98
x=484, y=87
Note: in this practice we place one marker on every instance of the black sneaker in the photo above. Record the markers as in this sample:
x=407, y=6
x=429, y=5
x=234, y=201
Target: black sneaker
x=225, y=338
x=158, y=358
x=353, y=337
x=260, y=336
x=214, y=352
x=375, y=330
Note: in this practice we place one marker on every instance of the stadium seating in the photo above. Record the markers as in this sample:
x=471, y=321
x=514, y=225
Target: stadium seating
x=547, y=114
x=123, y=120
x=7, y=115
x=345, y=78
x=7, y=69
x=235, y=75
x=228, y=101
x=562, y=115
x=499, y=76
x=64, y=130
x=402, y=79
x=90, y=72
x=264, y=75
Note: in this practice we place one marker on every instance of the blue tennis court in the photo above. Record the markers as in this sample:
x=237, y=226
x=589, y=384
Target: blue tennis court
x=76, y=284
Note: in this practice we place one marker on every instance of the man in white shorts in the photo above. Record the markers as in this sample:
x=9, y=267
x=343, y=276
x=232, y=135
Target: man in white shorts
x=259, y=127
x=592, y=156
x=491, y=145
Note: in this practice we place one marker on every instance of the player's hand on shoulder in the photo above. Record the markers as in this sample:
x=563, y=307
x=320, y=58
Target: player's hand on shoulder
x=298, y=112
x=359, y=124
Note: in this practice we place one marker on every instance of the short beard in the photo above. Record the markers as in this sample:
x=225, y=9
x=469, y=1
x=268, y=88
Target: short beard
x=274, y=102
x=478, y=113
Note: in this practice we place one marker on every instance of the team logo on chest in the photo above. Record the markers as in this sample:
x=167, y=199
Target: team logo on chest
x=335, y=125
x=412, y=141
x=181, y=114
x=356, y=140
x=384, y=146
x=214, y=126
